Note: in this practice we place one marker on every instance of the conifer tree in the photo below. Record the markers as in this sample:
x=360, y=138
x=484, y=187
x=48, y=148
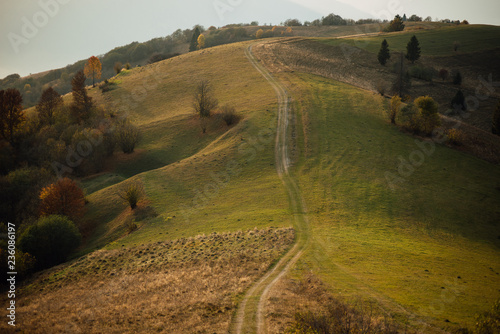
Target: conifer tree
x=193, y=46
x=82, y=103
x=413, y=49
x=384, y=54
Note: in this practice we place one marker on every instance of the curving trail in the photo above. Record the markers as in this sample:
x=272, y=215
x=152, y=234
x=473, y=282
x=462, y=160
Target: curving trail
x=250, y=315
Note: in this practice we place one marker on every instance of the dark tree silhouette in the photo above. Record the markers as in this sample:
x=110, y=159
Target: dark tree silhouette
x=47, y=105
x=193, y=46
x=443, y=74
x=457, y=78
x=11, y=113
x=82, y=103
x=50, y=240
x=413, y=49
x=458, y=102
x=384, y=54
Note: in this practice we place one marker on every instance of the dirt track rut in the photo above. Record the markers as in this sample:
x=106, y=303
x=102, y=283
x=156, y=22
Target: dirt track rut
x=250, y=315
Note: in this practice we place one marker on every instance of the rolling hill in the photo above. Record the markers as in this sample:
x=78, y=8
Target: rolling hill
x=312, y=151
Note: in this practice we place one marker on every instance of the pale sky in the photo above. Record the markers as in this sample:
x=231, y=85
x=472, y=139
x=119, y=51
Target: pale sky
x=38, y=35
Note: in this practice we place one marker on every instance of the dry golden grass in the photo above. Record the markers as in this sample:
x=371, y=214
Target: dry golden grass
x=184, y=286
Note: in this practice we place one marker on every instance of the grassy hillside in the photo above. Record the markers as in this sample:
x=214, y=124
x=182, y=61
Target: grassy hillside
x=195, y=183
x=435, y=42
x=428, y=247
x=425, y=248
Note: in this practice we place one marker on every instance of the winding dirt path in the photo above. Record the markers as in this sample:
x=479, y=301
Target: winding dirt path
x=250, y=315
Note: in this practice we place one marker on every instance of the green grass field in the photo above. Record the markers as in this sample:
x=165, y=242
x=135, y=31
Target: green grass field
x=405, y=248
x=433, y=42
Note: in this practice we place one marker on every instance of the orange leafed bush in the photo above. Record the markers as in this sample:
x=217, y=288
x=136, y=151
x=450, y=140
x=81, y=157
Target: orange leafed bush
x=62, y=198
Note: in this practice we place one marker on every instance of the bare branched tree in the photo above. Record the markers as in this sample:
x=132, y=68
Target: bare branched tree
x=204, y=102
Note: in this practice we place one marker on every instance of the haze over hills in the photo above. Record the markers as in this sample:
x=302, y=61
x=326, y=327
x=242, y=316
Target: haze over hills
x=78, y=30
x=293, y=202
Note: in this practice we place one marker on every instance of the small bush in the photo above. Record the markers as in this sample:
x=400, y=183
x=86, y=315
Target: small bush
x=410, y=118
x=340, y=318
x=429, y=116
x=132, y=194
x=131, y=227
x=127, y=136
x=106, y=86
x=229, y=115
x=458, y=102
x=50, y=240
x=127, y=66
x=118, y=67
x=443, y=74
x=394, y=108
x=455, y=137
x=457, y=78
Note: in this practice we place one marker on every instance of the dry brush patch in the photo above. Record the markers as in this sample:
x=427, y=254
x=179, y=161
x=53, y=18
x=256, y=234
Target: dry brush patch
x=182, y=286
x=307, y=301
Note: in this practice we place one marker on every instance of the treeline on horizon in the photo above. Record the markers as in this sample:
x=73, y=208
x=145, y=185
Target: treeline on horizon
x=137, y=54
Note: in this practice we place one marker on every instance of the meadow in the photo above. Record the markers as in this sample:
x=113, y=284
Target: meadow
x=425, y=249
x=438, y=41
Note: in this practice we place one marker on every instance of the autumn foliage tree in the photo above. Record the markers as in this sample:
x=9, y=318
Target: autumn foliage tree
x=11, y=113
x=201, y=41
x=394, y=108
x=93, y=69
x=62, y=198
x=47, y=105
x=428, y=111
x=259, y=33
x=396, y=24
x=82, y=103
